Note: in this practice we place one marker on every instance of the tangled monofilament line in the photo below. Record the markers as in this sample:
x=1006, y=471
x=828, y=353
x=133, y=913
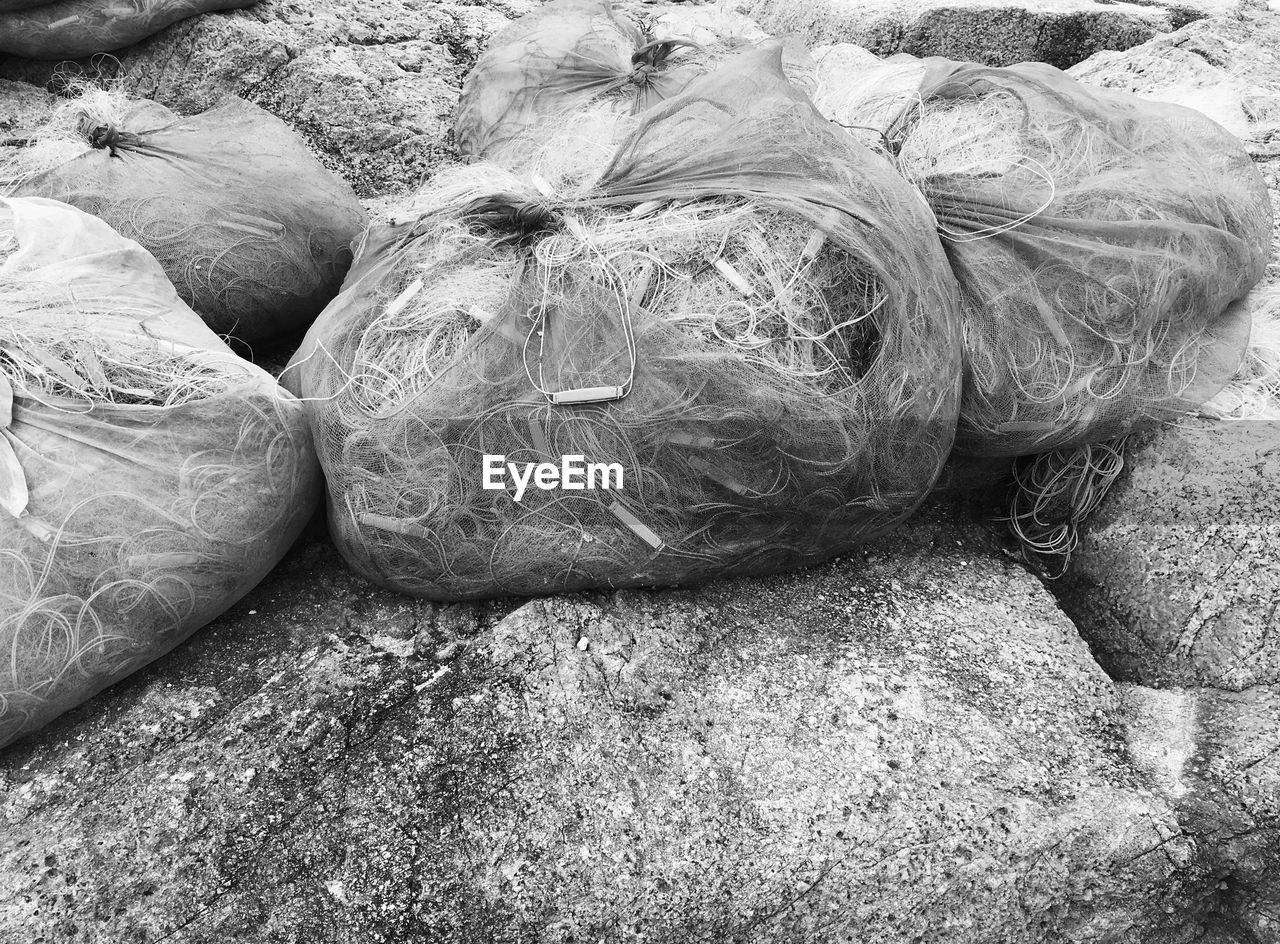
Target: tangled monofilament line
x=146, y=535
x=455, y=327
x=126, y=566
x=1070, y=333
x=1053, y=494
x=68, y=131
x=68, y=362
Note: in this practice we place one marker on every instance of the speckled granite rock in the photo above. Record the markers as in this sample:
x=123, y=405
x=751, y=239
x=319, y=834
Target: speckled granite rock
x=910, y=746
x=1060, y=32
x=1225, y=66
x=21, y=104
x=1217, y=754
x=1177, y=578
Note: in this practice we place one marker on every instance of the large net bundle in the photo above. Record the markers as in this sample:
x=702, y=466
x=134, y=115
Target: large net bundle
x=73, y=29
x=743, y=331
x=253, y=232
x=148, y=476
x=1101, y=242
x=575, y=55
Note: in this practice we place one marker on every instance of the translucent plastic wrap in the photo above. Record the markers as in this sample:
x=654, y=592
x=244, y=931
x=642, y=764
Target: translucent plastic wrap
x=1100, y=241
x=252, y=230
x=573, y=62
x=73, y=29
x=149, y=477
x=746, y=316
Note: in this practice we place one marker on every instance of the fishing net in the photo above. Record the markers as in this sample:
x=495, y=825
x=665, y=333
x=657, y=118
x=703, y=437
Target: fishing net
x=1101, y=242
x=10, y=6
x=74, y=29
x=1053, y=494
x=148, y=476
x=744, y=312
x=1254, y=392
x=253, y=232
x=575, y=54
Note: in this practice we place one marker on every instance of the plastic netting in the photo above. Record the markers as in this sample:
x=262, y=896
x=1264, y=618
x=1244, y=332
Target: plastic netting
x=1100, y=241
x=148, y=476
x=585, y=54
x=74, y=29
x=10, y=6
x=252, y=230
x=745, y=311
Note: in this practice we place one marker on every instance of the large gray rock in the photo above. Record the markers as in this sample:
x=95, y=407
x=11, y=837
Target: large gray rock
x=1217, y=755
x=1225, y=66
x=21, y=106
x=912, y=745
x=1177, y=577
x=995, y=32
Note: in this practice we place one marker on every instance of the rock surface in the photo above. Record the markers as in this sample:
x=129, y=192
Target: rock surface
x=1060, y=32
x=1217, y=755
x=1226, y=66
x=913, y=745
x=1177, y=578
x=23, y=106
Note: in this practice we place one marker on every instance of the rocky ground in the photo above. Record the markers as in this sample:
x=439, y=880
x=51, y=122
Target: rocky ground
x=920, y=742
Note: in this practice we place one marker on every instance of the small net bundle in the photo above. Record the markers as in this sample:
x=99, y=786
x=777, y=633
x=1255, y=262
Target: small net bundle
x=74, y=29
x=253, y=232
x=148, y=476
x=585, y=54
x=744, y=314
x=1101, y=244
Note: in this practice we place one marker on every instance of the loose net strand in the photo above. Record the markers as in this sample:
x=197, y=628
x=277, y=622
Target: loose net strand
x=1053, y=494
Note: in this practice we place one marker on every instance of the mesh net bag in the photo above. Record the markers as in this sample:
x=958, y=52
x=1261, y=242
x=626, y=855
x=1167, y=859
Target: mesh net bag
x=1101, y=242
x=584, y=55
x=73, y=29
x=10, y=6
x=745, y=313
x=253, y=232
x=148, y=476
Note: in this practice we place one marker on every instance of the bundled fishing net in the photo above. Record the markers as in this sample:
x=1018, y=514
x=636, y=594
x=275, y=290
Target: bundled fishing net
x=253, y=232
x=745, y=314
x=1101, y=242
x=73, y=29
x=148, y=476
x=573, y=55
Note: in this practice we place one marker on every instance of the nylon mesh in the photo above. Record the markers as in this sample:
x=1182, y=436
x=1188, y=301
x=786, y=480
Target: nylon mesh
x=1100, y=242
x=789, y=313
x=148, y=476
